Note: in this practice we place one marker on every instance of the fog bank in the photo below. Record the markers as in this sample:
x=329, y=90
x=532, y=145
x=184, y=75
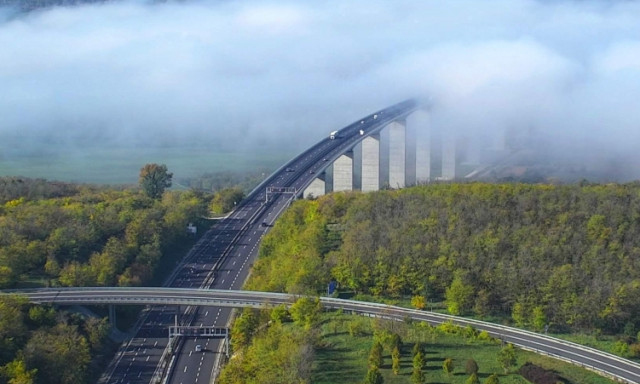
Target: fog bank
x=270, y=75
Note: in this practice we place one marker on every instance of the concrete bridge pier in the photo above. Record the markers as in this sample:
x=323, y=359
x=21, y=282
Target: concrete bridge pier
x=448, y=156
x=316, y=188
x=419, y=122
x=370, y=162
x=343, y=172
x=397, y=154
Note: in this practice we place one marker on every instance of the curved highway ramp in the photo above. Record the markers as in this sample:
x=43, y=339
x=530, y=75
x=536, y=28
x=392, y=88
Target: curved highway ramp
x=615, y=367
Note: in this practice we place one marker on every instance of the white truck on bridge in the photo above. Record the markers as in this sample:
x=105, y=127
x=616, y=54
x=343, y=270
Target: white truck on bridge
x=333, y=135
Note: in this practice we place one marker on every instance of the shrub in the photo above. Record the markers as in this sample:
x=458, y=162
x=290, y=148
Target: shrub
x=471, y=367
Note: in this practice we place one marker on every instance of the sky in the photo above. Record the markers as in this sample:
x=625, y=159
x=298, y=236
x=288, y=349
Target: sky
x=269, y=76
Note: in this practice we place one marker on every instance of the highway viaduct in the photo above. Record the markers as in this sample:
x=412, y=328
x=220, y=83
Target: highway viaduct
x=617, y=368
x=222, y=258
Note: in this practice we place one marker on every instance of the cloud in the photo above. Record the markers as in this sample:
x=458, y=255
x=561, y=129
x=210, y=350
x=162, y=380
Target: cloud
x=281, y=74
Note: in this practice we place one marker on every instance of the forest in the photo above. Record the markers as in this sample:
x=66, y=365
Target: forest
x=521, y=254
x=564, y=257
x=56, y=234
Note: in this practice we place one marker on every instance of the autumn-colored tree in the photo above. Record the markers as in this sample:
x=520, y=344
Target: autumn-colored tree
x=154, y=179
x=418, y=302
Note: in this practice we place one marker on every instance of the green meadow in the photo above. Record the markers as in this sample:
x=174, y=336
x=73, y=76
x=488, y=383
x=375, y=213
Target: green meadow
x=102, y=165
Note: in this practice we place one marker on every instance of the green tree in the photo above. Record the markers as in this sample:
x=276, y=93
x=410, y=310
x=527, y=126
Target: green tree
x=418, y=365
x=97, y=331
x=458, y=296
x=471, y=367
x=507, y=357
x=448, y=366
x=417, y=377
x=493, y=379
x=279, y=314
x=374, y=376
x=418, y=360
x=417, y=348
x=16, y=372
x=76, y=274
x=13, y=330
x=243, y=328
x=306, y=311
x=42, y=315
x=395, y=360
x=53, y=350
x=482, y=305
x=519, y=314
x=154, y=179
x=7, y=277
x=375, y=357
x=226, y=200
x=539, y=318
x=473, y=379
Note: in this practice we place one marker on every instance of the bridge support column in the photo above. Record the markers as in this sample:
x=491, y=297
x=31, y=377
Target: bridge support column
x=112, y=316
x=397, y=154
x=315, y=189
x=448, y=156
x=423, y=146
x=370, y=172
x=343, y=173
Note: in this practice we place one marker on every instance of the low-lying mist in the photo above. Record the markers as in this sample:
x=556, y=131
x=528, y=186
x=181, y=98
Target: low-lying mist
x=275, y=76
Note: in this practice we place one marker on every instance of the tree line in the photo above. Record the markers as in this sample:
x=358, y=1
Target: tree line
x=93, y=238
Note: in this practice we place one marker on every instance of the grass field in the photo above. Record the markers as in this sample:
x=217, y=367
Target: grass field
x=343, y=358
x=122, y=165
